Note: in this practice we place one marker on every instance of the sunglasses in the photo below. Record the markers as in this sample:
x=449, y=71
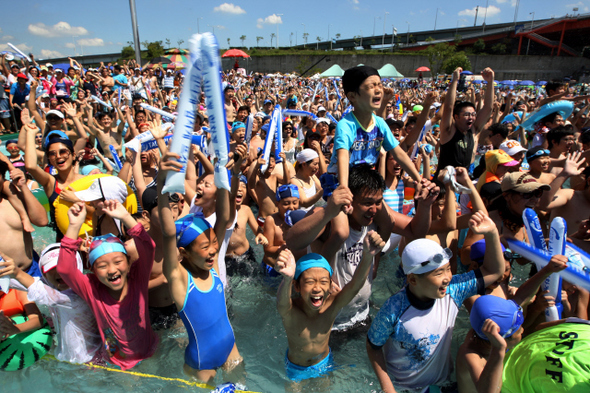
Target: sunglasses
x=98, y=240
x=288, y=128
x=528, y=195
x=517, y=321
x=53, y=118
x=12, y=148
x=63, y=153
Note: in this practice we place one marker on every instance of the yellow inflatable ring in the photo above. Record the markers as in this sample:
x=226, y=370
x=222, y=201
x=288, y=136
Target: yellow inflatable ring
x=61, y=207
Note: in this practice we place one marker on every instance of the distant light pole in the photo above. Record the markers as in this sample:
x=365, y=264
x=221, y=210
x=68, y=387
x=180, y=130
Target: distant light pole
x=435, y=18
x=408, y=35
x=529, y=43
x=304, y=37
x=383, y=38
x=361, y=38
x=329, y=39
x=485, y=15
x=279, y=15
x=393, y=34
x=291, y=39
x=212, y=27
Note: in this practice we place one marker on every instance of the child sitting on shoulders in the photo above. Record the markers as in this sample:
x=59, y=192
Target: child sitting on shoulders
x=77, y=335
x=116, y=290
x=308, y=319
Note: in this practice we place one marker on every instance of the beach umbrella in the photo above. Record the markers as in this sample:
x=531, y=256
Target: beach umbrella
x=541, y=83
x=526, y=83
x=235, y=53
x=508, y=83
x=164, y=60
x=467, y=73
x=422, y=69
x=178, y=57
x=477, y=82
x=404, y=80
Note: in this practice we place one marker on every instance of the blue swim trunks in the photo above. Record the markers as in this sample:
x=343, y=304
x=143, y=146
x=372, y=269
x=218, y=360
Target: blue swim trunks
x=298, y=373
x=34, y=270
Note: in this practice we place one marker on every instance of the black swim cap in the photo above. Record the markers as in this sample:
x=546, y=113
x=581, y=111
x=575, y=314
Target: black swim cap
x=355, y=76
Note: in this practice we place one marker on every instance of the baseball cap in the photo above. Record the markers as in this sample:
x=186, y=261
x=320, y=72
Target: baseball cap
x=105, y=244
x=306, y=155
x=48, y=65
x=394, y=123
x=511, y=147
x=521, y=182
x=495, y=158
x=309, y=261
x=423, y=256
x=321, y=109
x=21, y=75
x=59, y=70
x=189, y=228
x=505, y=313
x=50, y=256
x=267, y=101
x=323, y=120
x=106, y=188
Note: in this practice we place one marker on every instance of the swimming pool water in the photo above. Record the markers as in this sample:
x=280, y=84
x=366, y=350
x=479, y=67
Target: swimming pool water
x=260, y=338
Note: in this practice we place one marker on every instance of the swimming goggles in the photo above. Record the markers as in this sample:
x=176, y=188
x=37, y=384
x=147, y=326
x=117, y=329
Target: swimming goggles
x=537, y=154
x=517, y=321
x=436, y=260
x=98, y=240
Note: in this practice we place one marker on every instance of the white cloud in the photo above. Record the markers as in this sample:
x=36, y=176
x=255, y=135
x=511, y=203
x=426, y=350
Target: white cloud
x=579, y=5
x=23, y=47
x=70, y=45
x=48, y=54
x=7, y=37
x=492, y=11
x=91, y=42
x=60, y=29
x=512, y=2
x=273, y=19
x=229, y=8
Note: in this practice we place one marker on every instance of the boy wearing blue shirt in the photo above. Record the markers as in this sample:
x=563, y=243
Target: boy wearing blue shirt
x=410, y=338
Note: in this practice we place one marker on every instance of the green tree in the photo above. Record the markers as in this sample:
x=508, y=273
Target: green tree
x=479, y=46
x=429, y=39
x=180, y=42
x=338, y=36
x=228, y=44
x=258, y=40
x=127, y=52
x=272, y=36
x=318, y=44
x=168, y=42
x=437, y=54
x=243, y=38
x=499, y=49
x=458, y=39
x=458, y=59
x=155, y=49
x=144, y=44
x=305, y=36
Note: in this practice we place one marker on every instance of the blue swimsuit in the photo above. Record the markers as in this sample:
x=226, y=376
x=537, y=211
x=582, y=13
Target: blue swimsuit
x=210, y=335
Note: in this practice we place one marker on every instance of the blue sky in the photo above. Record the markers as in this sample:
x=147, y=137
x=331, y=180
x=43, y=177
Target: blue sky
x=68, y=28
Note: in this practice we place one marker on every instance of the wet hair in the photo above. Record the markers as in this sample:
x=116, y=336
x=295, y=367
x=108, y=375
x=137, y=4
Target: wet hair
x=498, y=129
x=556, y=134
x=550, y=118
x=140, y=111
x=460, y=105
x=3, y=169
x=117, y=67
x=244, y=108
x=411, y=121
x=100, y=115
x=363, y=177
x=553, y=86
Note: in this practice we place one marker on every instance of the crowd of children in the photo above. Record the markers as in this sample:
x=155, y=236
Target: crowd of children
x=340, y=196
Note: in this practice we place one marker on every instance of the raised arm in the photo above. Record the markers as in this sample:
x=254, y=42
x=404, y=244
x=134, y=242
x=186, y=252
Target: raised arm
x=484, y=114
x=286, y=267
x=446, y=133
x=493, y=263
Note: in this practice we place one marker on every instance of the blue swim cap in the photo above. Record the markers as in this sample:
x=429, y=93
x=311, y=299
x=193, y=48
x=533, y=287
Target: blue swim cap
x=478, y=251
x=505, y=313
x=189, y=228
x=237, y=125
x=87, y=169
x=311, y=260
x=57, y=137
x=105, y=244
x=244, y=179
x=286, y=191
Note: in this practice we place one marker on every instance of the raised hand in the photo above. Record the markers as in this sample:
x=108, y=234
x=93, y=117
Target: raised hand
x=77, y=214
x=457, y=73
x=286, y=264
x=488, y=75
x=340, y=200
x=573, y=164
x=69, y=109
x=492, y=332
x=169, y=162
x=481, y=224
x=373, y=244
x=115, y=209
x=556, y=264
x=25, y=116
x=426, y=191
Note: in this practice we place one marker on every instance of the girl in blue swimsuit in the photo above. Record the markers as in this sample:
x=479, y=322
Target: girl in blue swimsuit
x=194, y=283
